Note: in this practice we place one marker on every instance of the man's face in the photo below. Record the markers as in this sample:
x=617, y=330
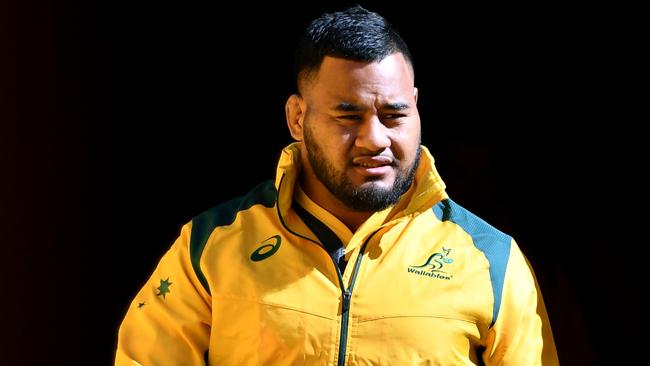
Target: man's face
x=361, y=130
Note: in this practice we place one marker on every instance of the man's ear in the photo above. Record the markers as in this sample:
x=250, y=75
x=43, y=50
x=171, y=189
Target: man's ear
x=295, y=113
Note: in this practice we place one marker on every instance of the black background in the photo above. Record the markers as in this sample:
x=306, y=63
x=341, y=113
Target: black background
x=122, y=121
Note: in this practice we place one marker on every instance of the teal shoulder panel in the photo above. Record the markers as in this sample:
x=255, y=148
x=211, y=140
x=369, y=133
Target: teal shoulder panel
x=494, y=244
x=224, y=214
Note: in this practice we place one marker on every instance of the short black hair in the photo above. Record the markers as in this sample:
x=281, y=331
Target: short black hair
x=353, y=34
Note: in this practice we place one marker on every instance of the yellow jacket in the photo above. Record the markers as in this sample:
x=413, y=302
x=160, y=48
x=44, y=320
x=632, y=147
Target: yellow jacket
x=426, y=282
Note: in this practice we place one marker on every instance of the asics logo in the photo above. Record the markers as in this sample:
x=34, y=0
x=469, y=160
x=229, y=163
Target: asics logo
x=271, y=245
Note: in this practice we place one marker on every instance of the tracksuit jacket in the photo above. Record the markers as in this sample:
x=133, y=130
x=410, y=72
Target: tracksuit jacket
x=253, y=282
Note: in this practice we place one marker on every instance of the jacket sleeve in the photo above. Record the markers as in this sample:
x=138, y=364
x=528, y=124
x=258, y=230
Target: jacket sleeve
x=168, y=322
x=521, y=335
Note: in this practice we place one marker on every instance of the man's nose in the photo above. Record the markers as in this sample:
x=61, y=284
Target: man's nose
x=372, y=135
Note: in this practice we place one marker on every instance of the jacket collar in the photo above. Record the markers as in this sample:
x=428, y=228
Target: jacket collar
x=427, y=190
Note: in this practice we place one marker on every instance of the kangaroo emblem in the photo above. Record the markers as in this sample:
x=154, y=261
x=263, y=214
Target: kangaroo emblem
x=437, y=260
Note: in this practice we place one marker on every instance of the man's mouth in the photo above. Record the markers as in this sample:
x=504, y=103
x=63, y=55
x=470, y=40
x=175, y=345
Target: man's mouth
x=372, y=161
x=373, y=165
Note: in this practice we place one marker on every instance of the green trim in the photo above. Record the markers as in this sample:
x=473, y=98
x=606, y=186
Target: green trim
x=494, y=244
x=204, y=224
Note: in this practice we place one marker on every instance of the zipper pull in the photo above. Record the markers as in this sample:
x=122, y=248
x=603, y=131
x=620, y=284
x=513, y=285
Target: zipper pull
x=346, y=301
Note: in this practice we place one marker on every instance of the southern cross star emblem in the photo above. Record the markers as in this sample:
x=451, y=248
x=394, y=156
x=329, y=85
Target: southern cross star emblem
x=163, y=289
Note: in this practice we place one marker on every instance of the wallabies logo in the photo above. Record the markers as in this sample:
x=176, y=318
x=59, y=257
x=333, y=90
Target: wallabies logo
x=433, y=265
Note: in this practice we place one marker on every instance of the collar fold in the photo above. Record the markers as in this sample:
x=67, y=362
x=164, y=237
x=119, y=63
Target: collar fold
x=427, y=190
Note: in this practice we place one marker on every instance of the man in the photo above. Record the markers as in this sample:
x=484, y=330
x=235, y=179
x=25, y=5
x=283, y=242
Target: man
x=355, y=254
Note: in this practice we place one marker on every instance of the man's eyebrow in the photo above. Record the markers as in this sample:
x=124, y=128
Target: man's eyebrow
x=348, y=107
x=395, y=106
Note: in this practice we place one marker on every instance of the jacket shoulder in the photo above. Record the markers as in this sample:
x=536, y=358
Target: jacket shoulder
x=493, y=243
x=222, y=215
x=225, y=213
x=486, y=236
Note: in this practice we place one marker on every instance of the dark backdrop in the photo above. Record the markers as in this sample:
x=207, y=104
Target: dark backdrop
x=122, y=121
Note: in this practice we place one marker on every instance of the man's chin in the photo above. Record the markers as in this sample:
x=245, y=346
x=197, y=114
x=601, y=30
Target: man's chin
x=379, y=180
x=376, y=183
x=377, y=187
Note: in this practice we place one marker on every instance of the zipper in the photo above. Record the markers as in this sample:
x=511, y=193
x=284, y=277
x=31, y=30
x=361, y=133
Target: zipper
x=346, y=296
x=345, y=307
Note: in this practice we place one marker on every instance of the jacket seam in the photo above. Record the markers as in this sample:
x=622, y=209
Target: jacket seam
x=269, y=303
x=471, y=321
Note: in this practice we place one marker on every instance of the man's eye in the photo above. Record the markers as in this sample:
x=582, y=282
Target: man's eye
x=351, y=117
x=393, y=116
